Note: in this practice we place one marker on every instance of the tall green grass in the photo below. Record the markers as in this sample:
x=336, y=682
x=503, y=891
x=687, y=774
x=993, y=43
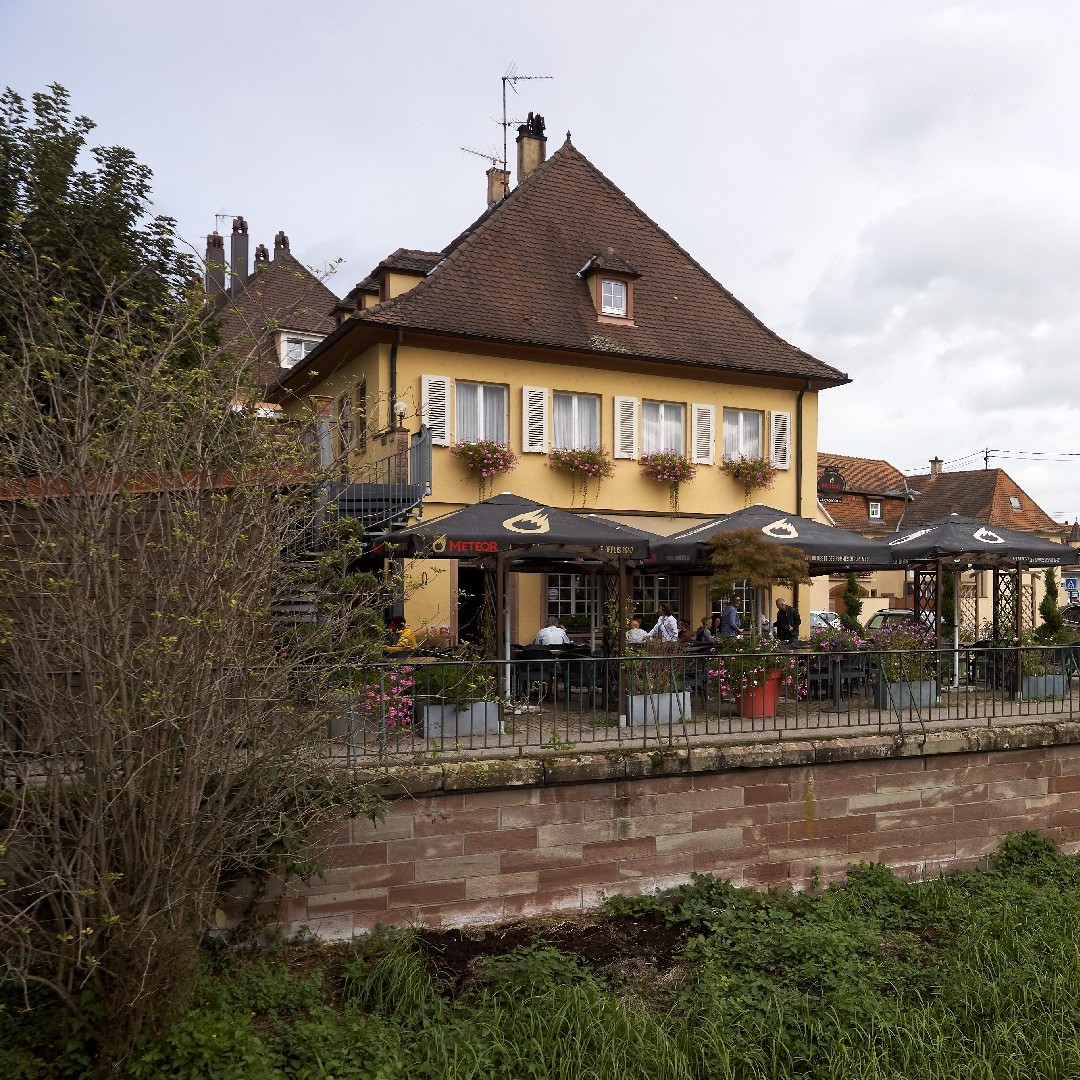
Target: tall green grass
x=971, y=976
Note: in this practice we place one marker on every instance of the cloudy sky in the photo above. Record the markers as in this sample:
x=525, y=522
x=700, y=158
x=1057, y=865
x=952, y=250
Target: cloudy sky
x=892, y=185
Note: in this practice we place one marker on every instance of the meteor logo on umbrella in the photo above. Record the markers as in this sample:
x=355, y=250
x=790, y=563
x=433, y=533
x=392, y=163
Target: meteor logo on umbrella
x=781, y=530
x=534, y=522
x=987, y=536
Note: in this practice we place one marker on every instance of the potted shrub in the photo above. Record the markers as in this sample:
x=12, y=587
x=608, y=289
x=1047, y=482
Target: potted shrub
x=755, y=673
x=584, y=467
x=655, y=685
x=455, y=699
x=905, y=666
x=1037, y=679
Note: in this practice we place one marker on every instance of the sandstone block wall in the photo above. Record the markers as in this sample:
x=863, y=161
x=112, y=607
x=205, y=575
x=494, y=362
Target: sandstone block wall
x=564, y=833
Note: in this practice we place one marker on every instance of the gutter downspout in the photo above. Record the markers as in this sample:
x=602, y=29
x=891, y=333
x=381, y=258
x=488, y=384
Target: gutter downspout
x=393, y=377
x=798, y=472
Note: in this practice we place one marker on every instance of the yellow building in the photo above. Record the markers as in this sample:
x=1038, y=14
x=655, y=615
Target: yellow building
x=563, y=318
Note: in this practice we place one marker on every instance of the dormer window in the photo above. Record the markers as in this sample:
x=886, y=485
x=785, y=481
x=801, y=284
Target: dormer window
x=613, y=297
x=292, y=348
x=611, y=278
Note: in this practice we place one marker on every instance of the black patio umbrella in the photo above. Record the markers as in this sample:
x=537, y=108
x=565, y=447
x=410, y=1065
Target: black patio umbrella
x=823, y=545
x=978, y=545
x=511, y=531
x=511, y=524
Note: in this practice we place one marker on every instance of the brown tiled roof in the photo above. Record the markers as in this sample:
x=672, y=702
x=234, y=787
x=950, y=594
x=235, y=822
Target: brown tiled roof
x=409, y=260
x=280, y=295
x=513, y=277
x=979, y=493
x=869, y=476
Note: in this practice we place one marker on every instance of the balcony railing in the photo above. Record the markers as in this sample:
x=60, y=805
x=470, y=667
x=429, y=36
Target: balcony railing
x=387, y=493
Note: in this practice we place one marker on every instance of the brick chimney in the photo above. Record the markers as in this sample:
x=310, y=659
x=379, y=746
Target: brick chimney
x=238, y=260
x=281, y=244
x=531, y=146
x=935, y=466
x=498, y=184
x=262, y=256
x=215, y=269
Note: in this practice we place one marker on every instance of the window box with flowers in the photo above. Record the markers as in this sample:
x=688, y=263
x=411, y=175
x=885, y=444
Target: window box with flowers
x=584, y=467
x=751, y=473
x=655, y=685
x=668, y=467
x=457, y=699
x=905, y=666
x=484, y=459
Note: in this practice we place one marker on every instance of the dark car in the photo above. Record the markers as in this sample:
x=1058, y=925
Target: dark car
x=890, y=617
x=1071, y=614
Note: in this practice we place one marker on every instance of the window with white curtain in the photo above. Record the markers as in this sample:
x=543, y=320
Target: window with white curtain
x=482, y=411
x=742, y=434
x=577, y=421
x=663, y=427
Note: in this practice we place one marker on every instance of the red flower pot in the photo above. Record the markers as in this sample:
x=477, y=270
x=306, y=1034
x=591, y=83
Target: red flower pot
x=759, y=702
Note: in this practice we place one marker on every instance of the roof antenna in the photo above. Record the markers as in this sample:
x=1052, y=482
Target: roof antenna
x=509, y=78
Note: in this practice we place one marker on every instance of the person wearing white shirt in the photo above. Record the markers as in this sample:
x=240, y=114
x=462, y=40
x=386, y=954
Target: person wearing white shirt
x=552, y=634
x=635, y=635
x=666, y=628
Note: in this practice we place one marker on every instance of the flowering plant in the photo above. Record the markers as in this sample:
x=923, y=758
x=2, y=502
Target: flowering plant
x=583, y=467
x=750, y=472
x=389, y=698
x=740, y=664
x=905, y=652
x=667, y=467
x=484, y=459
x=836, y=639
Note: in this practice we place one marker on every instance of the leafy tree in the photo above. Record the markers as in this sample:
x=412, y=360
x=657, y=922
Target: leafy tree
x=745, y=555
x=163, y=736
x=852, y=604
x=82, y=230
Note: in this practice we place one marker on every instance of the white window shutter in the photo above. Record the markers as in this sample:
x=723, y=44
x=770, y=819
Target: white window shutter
x=626, y=427
x=534, y=420
x=703, y=434
x=780, y=439
x=435, y=407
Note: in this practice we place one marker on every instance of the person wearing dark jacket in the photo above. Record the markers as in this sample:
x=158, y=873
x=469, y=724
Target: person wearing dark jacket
x=787, y=622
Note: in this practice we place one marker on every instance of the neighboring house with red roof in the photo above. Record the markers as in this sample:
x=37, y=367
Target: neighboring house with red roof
x=865, y=495
x=277, y=312
x=565, y=318
x=873, y=497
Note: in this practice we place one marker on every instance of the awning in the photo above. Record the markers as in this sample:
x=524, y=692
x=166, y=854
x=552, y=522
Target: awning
x=976, y=544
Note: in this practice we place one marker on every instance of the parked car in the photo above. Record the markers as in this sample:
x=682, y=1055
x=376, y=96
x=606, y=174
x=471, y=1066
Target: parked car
x=889, y=617
x=1071, y=614
x=825, y=620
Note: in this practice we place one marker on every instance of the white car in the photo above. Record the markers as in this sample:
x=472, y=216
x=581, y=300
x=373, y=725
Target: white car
x=825, y=620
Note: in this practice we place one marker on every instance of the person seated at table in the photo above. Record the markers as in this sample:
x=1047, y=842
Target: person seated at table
x=704, y=634
x=635, y=635
x=686, y=635
x=714, y=626
x=401, y=636
x=666, y=628
x=552, y=634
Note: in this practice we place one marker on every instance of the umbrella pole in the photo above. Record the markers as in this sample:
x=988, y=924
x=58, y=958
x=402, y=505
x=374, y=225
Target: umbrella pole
x=956, y=630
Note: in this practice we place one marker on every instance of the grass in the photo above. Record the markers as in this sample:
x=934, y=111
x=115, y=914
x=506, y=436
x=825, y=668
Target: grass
x=975, y=975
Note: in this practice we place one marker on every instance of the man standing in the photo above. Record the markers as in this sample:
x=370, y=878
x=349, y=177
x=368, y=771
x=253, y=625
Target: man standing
x=787, y=622
x=730, y=626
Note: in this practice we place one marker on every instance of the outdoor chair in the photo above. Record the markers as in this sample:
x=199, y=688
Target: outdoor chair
x=581, y=676
x=533, y=674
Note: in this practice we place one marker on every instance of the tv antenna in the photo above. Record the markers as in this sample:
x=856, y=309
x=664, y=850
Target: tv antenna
x=511, y=78
x=488, y=155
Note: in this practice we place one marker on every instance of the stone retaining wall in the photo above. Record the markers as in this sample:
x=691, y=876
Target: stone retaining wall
x=484, y=842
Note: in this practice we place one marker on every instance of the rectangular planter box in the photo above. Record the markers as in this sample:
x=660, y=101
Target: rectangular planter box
x=644, y=709
x=1043, y=686
x=905, y=695
x=477, y=718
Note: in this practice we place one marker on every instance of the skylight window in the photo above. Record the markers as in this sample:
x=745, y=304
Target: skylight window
x=1014, y=502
